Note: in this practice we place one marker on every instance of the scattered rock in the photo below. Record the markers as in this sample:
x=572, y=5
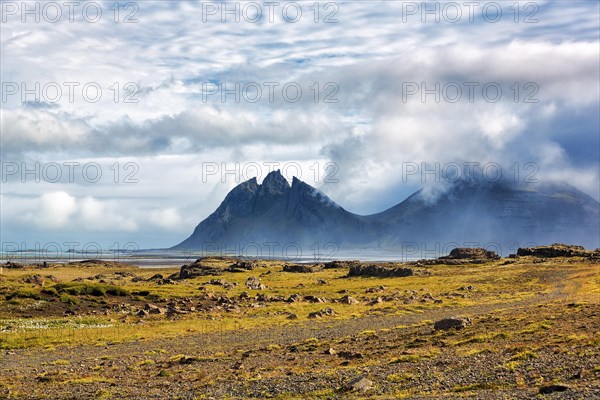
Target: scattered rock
x=553, y=389
x=379, y=271
x=36, y=280
x=348, y=300
x=581, y=374
x=197, y=269
x=452, y=323
x=314, y=299
x=340, y=264
x=244, y=295
x=326, y=312
x=555, y=250
x=462, y=253
x=330, y=351
x=254, y=283
x=11, y=264
x=349, y=355
x=302, y=268
x=380, y=288
x=292, y=316
x=376, y=300
x=242, y=265
x=238, y=365
x=187, y=360
x=322, y=281
x=294, y=298
x=152, y=309
x=360, y=384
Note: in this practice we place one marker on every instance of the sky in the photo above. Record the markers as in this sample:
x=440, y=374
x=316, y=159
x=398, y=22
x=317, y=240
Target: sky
x=130, y=124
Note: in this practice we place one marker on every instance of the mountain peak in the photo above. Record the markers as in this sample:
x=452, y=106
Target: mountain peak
x=274, y=182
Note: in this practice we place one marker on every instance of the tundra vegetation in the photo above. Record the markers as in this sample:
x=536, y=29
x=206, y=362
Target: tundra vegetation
x=473, y=326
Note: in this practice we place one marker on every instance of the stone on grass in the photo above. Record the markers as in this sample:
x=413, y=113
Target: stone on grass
x=360, y=384
x=452, y=323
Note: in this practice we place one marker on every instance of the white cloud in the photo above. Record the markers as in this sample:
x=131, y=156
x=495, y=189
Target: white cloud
x=369, y=133
x=55, y=209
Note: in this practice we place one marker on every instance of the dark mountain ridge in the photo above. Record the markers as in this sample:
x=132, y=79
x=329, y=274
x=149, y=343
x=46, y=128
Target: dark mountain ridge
x=498, y=215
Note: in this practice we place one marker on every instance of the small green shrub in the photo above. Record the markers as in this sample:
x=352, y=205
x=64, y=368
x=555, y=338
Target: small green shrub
x=51, y=291
x=93, y=289
x=65, y=298
x=24, y=294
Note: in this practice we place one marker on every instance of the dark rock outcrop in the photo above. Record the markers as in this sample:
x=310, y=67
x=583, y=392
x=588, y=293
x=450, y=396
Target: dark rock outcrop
x=555, y=250
x=336, y=264
x=197, y=269
x=379, y=271
x=461, y=253
x=242, y=265
x=549, y=389
x=302, y=268
x=452, y=323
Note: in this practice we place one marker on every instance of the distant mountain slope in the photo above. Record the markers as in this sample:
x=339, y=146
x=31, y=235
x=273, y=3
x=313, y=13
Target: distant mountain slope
x=500, y=215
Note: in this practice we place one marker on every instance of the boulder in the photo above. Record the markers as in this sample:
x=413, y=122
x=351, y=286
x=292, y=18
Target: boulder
x=326, y=312
x=294, y=298
x=36, y=280
x=254, y=283
x=197, y=269
x=348, y=300
x=314, y=299
x=152, y=309
x=360, y=384
x=242, y=265
x=549, y=389
x=452, y=323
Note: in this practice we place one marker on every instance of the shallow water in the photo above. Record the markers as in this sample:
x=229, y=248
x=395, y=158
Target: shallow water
x=171, y=258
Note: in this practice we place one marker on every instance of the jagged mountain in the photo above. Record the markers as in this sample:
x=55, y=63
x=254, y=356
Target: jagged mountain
x=498, y=215
x=275, y=212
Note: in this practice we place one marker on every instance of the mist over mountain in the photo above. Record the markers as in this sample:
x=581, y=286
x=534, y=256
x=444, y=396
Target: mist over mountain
x=498, y=215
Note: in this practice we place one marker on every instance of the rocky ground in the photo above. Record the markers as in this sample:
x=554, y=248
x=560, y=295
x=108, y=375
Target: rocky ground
x=509, y=328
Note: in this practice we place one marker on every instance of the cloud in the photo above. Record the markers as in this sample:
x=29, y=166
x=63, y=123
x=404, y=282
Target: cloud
x=370, y=133
x=54, y=211
x=167, y=219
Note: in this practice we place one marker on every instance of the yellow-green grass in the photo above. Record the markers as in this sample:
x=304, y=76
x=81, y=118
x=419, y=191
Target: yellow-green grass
x=493, y=284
